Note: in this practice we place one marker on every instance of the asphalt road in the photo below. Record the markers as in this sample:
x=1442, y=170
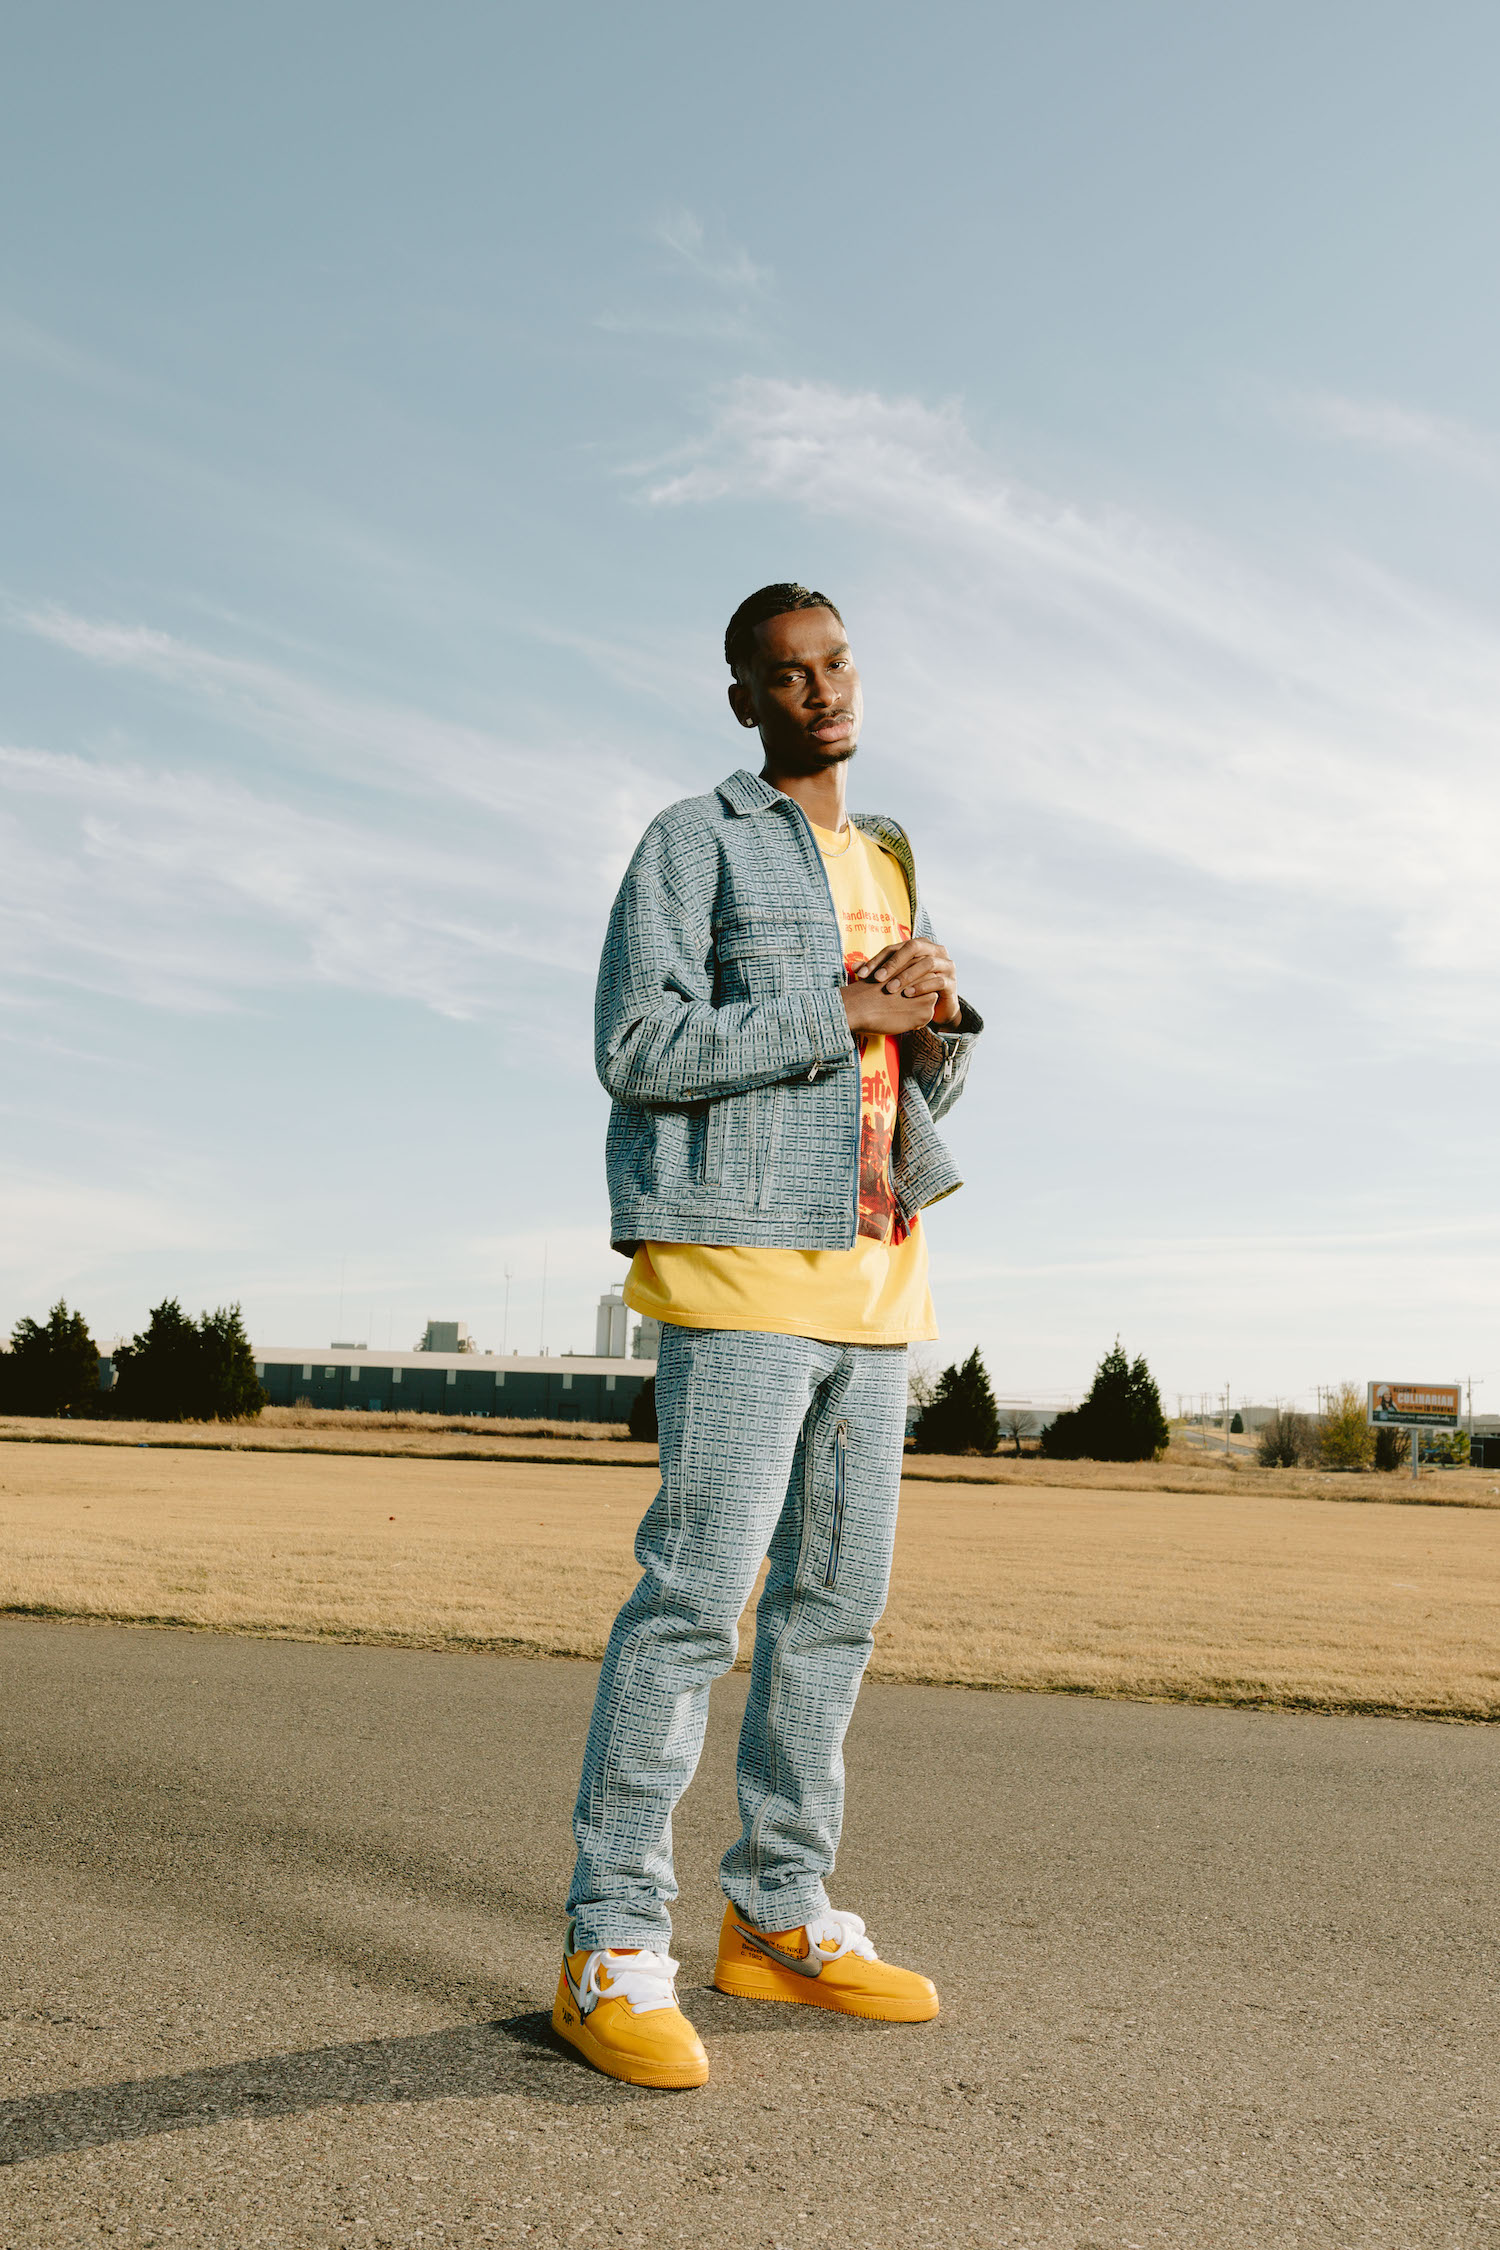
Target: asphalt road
x=281, y=1928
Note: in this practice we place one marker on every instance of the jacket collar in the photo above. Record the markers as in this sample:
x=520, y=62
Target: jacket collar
x=745, y=792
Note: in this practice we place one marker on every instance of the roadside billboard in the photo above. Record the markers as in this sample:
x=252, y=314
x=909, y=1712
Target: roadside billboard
x=1415, y=1406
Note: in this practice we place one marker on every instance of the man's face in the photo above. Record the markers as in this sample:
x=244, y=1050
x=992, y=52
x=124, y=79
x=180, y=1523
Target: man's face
x=802, y=692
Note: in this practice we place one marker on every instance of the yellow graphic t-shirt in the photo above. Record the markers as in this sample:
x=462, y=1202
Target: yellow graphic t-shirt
x=877, y=1292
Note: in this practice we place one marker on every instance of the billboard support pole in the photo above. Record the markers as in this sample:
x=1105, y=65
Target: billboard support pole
x=1416, y=1453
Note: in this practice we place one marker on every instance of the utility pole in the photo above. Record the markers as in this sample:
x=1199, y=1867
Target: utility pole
x=1226, y=1418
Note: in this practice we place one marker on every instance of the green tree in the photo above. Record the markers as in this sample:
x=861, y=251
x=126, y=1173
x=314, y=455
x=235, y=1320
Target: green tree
x=231, y=1389
x=52, y=1366
x=961, y=1416
x=183, y=1370
x=1120, y=1420
x=156, y=1373
x=1237, y=1426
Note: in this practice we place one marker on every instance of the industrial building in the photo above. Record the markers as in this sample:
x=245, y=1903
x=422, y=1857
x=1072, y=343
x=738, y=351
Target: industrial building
x=447, y=1374
x=571, y=1389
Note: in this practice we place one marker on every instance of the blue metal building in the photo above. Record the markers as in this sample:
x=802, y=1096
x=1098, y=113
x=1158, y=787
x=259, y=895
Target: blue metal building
x=561, y=1390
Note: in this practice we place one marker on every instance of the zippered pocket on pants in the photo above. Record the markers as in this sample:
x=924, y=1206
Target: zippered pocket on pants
x=836, y=1535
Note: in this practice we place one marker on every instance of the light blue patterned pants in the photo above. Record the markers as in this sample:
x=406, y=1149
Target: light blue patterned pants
x=767, y=1443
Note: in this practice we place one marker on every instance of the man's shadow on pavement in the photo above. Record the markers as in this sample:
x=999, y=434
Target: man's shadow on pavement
x=514, y=2055
x=517, y=2055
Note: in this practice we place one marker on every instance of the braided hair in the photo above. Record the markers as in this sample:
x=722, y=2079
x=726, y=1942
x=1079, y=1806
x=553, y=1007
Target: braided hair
x=766, y=601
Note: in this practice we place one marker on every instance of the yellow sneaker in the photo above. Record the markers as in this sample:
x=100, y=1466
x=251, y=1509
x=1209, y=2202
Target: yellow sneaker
x=829, y=1963
x=619, y=2009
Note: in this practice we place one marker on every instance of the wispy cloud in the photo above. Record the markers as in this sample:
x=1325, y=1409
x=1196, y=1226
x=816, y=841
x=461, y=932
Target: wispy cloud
x=447, y=877
x=188, y=892
x=724, y=265
x=1227, y=784
x=712, y=291
x=1384, y=426
x=381, y=744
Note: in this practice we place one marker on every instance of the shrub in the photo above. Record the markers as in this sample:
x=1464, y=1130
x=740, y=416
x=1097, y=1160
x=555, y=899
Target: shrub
x=182, y=1370
x=1287, y=1441
x=52, y=1367
x=1392, y=1447
x=1237, y=1426
x=1345, y=1438
x=961, y=1416
x=642, y=1419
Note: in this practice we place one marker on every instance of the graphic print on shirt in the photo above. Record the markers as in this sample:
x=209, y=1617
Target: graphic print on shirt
x=866, y=932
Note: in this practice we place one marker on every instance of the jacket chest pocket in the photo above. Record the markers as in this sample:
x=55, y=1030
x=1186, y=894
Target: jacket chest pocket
x=764, y=958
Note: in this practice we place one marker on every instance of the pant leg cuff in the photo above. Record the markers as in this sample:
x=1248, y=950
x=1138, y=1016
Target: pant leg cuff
x=599, y=1936
x=780, y=1910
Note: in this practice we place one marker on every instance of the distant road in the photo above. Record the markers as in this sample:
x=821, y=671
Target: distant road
x=282, y=1924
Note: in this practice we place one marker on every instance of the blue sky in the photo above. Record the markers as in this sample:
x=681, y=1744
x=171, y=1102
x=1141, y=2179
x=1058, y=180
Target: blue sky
x=397, y=401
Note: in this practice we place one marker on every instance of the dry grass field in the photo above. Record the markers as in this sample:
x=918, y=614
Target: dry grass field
x=302, y=1429
x=444, y=1437
x=1173, y=1581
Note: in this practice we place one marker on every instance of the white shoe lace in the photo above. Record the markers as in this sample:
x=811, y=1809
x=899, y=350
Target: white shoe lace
x=836, y=1934
x=646, y=1980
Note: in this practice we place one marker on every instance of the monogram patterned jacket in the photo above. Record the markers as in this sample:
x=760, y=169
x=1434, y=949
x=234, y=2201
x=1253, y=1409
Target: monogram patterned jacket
x=720, y=1035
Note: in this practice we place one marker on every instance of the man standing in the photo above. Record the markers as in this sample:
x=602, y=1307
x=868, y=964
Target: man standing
x=778, y=1028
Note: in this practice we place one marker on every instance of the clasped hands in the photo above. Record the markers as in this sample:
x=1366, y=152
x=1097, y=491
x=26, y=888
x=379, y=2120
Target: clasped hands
x=903, y=987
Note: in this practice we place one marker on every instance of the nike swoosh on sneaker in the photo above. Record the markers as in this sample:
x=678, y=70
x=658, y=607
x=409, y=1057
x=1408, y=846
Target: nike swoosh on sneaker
x=573, y=1988
x=810, y=1966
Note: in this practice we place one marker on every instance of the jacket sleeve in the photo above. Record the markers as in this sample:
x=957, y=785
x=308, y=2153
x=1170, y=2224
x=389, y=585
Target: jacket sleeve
x=658, y=1036
x=937, y=1057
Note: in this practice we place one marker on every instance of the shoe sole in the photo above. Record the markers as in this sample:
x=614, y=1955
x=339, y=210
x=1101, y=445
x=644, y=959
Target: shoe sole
x=629, y=2069
x=809, y=1993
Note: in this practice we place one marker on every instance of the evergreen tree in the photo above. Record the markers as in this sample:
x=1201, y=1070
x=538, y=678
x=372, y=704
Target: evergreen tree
x=231, y=1389
x=642, y=1420
x=1237, y=1426
x=181, y=1370
x=1120, y=1420
x=961, y=1416
x=52, y=1367
x=156, y=1372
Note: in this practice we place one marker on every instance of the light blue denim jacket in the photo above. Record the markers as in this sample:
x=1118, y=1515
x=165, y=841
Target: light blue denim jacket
x=719, y=1031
